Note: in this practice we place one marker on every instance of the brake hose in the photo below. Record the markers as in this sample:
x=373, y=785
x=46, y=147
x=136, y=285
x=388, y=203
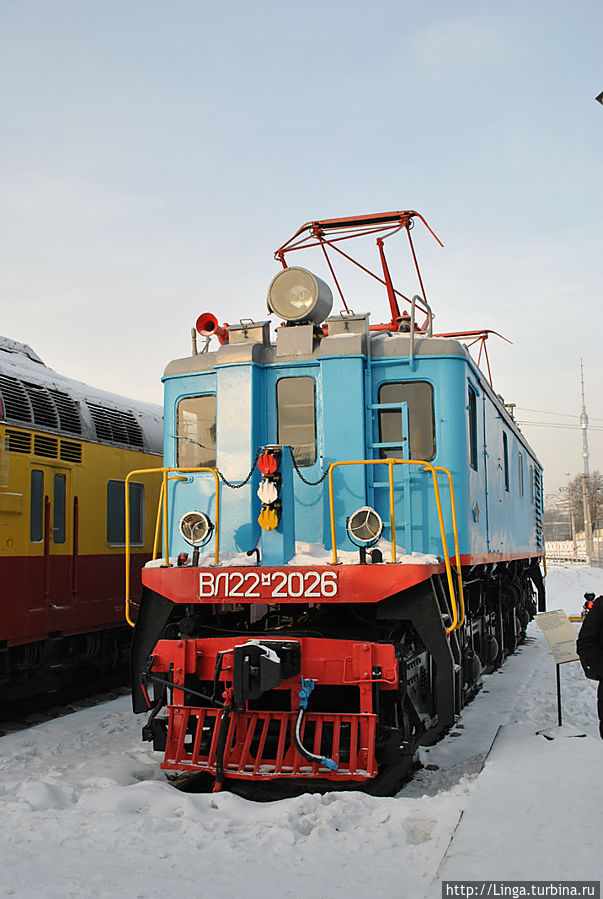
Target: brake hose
x=304, y=694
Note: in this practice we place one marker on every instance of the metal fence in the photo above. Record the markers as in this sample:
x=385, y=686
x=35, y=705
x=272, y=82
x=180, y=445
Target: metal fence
x=574, y=552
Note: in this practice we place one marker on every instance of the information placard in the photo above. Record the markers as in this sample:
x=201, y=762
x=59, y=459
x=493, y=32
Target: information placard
x=560, y=635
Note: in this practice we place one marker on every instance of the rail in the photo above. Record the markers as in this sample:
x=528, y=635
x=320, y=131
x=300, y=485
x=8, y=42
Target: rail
x=457, y=620
x=162, y=513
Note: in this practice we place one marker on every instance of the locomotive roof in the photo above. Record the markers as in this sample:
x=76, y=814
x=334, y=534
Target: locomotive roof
x=382, y=343
x=34, y=395
x=379, y=344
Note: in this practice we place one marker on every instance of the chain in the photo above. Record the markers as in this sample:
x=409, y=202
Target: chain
x=305, y=480
x=255, y=462
x=247, y=479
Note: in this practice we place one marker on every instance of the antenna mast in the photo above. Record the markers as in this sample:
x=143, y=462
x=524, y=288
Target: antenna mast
x=588, y=536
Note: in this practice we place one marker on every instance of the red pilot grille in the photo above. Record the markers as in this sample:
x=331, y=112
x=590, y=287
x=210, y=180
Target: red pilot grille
x=260, y=744
x=259, y=740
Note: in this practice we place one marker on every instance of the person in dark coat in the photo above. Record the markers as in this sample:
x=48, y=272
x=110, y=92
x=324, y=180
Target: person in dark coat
x=589, y=647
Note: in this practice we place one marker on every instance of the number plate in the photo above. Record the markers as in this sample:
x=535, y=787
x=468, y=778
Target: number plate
x=269, y=586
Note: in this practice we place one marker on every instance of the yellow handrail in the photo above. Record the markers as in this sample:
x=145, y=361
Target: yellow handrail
x=159, y=511
x=158, y=521
x=456, y=622
x=163, y=506
x=457, y=554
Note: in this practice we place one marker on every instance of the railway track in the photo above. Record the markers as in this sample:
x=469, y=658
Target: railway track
x=22, y=715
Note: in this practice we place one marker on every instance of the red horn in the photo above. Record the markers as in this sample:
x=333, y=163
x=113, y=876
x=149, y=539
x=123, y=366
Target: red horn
x=207, y=325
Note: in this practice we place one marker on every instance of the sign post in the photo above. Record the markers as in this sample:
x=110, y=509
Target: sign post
x=561, y=638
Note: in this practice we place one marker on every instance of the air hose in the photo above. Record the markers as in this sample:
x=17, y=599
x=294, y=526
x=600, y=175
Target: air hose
x=304, y=694
x=221, y=746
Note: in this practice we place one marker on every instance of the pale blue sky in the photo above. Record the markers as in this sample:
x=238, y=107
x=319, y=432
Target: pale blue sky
x=153, y=156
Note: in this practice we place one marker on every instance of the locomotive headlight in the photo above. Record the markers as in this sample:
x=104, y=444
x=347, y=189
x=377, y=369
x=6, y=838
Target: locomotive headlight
x=196, y=528
x=296, y=295
x=364, y=526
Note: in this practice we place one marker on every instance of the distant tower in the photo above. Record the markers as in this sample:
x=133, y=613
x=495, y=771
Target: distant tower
x=588, y=537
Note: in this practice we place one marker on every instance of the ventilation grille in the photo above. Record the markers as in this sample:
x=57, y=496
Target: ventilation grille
x=49, y=447
x=68, y=412
x=538, y=513
x=46, y=446
x=14, y=398
x=44, y=412
x=54, y=410
x=71, y=451
x=17, y=441
x=44, y=407
x=114, y=426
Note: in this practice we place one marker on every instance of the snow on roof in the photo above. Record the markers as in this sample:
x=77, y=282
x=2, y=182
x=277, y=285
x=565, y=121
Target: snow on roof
x=14, y=346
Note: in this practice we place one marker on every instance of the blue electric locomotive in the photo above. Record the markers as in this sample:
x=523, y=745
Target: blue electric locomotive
x=350, y=529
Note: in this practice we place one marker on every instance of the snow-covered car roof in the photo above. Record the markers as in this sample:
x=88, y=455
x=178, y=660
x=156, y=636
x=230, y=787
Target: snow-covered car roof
x=34, y=395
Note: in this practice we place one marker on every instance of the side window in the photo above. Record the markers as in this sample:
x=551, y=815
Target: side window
x=58, y=509
x=296, y=417
x=196, y=431
x=506, y=461
x=36, y=518
x=472, y=428
x=531, y=483
x=419, y=397
x=116, y=513
x=521, y=474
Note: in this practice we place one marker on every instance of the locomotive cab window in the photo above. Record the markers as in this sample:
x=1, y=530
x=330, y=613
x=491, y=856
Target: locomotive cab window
x=418, y=395
x=296, y=417
x=116, y=513
x=196, y=432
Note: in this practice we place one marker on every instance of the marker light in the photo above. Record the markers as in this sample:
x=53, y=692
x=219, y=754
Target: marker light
x=364, y=526
x=296, y=295
x=267, y=492
x=268, y=518
x=268, y=462
x=196, y=528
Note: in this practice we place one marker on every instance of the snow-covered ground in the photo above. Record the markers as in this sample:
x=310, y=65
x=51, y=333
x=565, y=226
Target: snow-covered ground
x=86, y=811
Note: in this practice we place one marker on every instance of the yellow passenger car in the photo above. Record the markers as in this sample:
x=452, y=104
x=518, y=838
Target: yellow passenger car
x=65, y=449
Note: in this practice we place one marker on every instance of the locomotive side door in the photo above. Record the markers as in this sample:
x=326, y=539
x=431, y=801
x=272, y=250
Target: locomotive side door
x=50, y=535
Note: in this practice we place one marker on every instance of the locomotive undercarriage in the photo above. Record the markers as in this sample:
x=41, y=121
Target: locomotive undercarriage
x=63, y=662
x=363, y=720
